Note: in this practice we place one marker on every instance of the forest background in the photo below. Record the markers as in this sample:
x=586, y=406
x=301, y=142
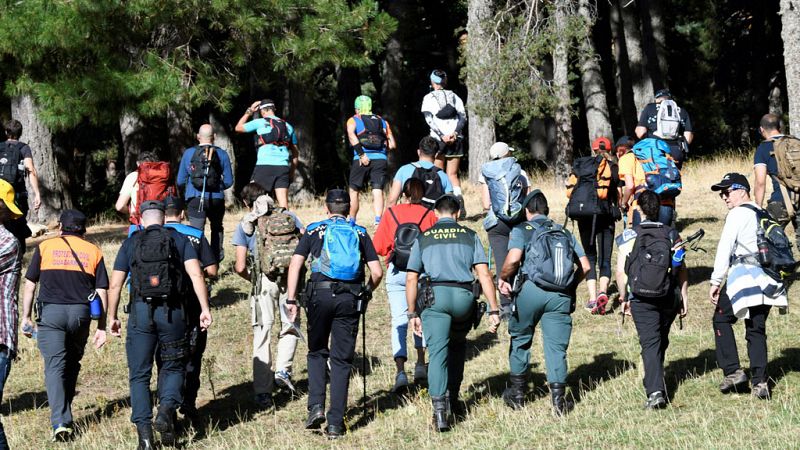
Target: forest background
x=97, y=82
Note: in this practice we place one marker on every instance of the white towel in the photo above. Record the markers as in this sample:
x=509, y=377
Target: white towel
x=748, y=285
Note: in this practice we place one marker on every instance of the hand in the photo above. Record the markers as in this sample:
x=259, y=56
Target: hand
x=37, y=202
x=116, y=327
x=504, y=287
x=494, y=322
x=713, y=294
x=254, y=107
x=450, y=138
x=205, y=320
x=27, y=327
x=684, y=308
x=363, y=160
x=291, y=312
x=626, y=306
x=99, y=338
x=416, y=325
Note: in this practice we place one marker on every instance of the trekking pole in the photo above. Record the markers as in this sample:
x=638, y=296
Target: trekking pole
x=364, y=358
x=209, y=152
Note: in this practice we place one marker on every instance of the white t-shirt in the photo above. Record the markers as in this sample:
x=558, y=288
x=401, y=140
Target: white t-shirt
x=738, y=239
x=434, y=101
x=131, y=188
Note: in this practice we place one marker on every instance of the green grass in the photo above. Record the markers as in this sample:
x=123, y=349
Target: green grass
x=605, y=374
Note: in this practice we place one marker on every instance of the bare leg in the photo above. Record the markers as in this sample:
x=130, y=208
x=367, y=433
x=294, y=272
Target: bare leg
x=592, y=287
x=377, y=201
x=353, y=203
x=452, y=173
x=400, y=363
x=603, y=284
x=282, y=195
x=439, y=161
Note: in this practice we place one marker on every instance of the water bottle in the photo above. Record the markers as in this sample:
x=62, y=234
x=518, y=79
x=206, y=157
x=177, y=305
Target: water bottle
x=95, y=306
x=677, y=257
x=763, y=248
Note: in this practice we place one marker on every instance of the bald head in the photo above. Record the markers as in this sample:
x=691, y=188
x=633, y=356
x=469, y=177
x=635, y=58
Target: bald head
x=152, y=217
x=205, y=135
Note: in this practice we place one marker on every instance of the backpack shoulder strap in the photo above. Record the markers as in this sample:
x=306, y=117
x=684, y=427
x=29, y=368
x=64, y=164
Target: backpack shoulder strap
x=425, y=214
x=394, y=216
x=417, y=165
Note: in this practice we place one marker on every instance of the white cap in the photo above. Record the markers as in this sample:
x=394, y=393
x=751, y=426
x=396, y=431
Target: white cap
x=499, y=150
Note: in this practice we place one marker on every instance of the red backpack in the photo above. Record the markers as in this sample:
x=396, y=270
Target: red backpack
x=155, y=182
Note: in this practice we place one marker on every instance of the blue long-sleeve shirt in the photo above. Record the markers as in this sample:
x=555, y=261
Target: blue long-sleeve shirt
x=184, y=174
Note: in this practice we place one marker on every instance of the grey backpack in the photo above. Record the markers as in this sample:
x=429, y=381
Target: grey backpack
x=549, y=257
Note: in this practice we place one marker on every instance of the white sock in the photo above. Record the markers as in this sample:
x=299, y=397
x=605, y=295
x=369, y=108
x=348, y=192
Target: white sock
x=457, y=190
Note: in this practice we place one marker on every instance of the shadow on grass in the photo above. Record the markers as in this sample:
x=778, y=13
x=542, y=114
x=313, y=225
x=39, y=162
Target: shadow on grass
x=103, y=412
x=226, y=297
x=789, y=361
x=113, y=236
x=378, y=403
x=684, y=222
x=681, y=370
x=588, y=377
x=25, y=402
x=481, y=343
x=359, y=366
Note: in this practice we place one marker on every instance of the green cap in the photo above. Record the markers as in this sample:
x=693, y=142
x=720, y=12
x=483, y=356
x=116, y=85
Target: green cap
x=363, y=104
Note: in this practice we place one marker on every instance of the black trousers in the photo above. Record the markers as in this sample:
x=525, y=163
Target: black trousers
x=214, y=210
x=653, y=319
x=598, y=247
x=332, y=331
x=498, y=241
x=755, y=333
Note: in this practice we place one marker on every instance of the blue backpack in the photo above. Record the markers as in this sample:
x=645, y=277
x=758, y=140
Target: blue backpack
x=505, y=182
x=340, y=257
x=661, y=174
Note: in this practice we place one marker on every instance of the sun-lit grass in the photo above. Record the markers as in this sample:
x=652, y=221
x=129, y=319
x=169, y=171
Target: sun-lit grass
x=604, y=361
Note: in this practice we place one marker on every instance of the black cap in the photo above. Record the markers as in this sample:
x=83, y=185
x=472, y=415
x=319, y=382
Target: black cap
x=624, y=141
x=151, y=204
x=337, y=196
x=732, y=180
x=663, y=93
x=73, y=220
x=529, y=197
x=173, y=202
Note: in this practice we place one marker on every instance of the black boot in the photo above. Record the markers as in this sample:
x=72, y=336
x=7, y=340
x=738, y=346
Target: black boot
x=145, y=433
x=561, y=406
x=455, y=407
x=514, y=395
x=462, y=211
x=164, y=423
x=440, y=409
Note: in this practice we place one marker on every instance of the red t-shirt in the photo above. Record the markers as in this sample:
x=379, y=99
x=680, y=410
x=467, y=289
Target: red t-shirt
x=405, y=213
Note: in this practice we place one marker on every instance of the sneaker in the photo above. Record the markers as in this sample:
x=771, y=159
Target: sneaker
x=590, y=306
x=284, y=380
x=420, y=373
x=600, y=304
x=733, y=381
x=400, y=381
x=62, y=432
x=761, y=390
x=656, y=400
x=264, y=401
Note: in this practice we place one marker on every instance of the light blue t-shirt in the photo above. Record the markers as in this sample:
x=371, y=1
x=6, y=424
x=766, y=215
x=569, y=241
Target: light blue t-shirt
x=405, y=172
x=271, y=154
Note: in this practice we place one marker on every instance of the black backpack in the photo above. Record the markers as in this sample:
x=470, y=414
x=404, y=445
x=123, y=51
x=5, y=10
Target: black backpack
x=278, y=133
x=404, y=239
x=10, y=161
x=155, y=270
x=433, y=184
x=649, y=264
x=373, y=137
x=583, y=198
x=779, y=247
x=204, y=173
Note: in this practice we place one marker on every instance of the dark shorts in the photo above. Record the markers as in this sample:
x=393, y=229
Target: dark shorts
x=375, y=172
x=271, y=177
x=454, y=150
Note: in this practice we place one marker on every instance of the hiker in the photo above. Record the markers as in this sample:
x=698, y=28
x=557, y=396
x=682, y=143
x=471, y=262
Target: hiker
x=204, y=173
x=16, y=162
x=338, y=251
x=593, y=203
x=783, y=209
x=543, y=287
x=632, y=179
x=448, y=253
x=370, y=136
x=665, y=120
x=152, y=180
x=162, y=264
x=503, y=187
x=444, y=112
x=277, y=154
x=437, y=183
x=198, y=338
x=651, y=167
x=397, y=232
x=10, y=267
x=749, y=291
x=255, y=250
x=656, y=275
x=71, y=273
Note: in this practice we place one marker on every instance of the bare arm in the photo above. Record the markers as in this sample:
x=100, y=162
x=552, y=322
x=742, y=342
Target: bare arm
x=487, y=201
x=351, y=132
x=689, y=136
x=629, y=190
x=511, y=264
x=487, y=285
x=212, y=270
x=585, y=268
x=640, y=131
x=246, y=118
x=375, y=273
x=683, y=280
x=240, y=263
x=294, y=275
x=34, y=179
x=123, y=201
x=114, y=289
x=760, y=172
x=195, y=273
x=391, y=143
x=394, y=193
x=412, y=278
x=27, y=306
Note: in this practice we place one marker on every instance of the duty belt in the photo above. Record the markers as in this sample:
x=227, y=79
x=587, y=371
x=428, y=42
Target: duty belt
x=458, y=284
x=340, y=286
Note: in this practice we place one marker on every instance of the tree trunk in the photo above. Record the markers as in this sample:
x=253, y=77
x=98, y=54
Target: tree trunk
x=393, y=102
x=775, y=97
x=563, y=115
x=622, y=78
x=594, y=91
x=179, y=124
x=479, y=55
x=790, y=32
x=54, y=196
x=641, y=82
x=653, y=41
x=132, y=130
x=301, y=116
x=223, y=140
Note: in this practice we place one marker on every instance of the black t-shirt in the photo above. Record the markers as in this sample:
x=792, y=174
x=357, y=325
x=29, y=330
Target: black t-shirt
x=649, y=119
x=310, y=246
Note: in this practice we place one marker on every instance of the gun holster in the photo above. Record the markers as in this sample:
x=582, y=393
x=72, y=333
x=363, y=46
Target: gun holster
x=480, y=311
x=476, y=289
x=425, y=298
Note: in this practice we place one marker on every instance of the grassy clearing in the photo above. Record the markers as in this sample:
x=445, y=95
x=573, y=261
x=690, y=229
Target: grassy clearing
x=604, y=374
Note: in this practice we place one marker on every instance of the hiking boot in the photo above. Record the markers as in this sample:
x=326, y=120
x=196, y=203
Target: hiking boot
x=284, y=380
x=264, y=400
x=561, y=406
x=420, y=373
x=316, y=417
x=62, y=432
x=733, y=381
x=455, y=406
x=164, y=423
x=600, y=304
x=334, y=432
x=591, y=305
x=145, y=433
x=400, y=381
x=514, y=395
x=761, y=390
x=656, y=400
x=440, y=410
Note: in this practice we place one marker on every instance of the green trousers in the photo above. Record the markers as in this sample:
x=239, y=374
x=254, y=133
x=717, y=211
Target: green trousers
x=445, y=326
x=551, y=310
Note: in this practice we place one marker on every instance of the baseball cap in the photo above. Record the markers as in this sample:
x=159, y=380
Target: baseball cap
x=529, y=197
x=337, y=196
x=602, y=144
x=266, y=104
x=73, y=220
x=624, y=141
x=437, y=78
x=663, y=93
x=7, y=196
x=363, y=104
x=732, y=180
x=173, y=202
x=151, y=204
x=499, y=150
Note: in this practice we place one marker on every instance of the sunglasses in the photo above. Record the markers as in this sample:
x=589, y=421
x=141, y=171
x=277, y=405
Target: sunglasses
x=726, y=193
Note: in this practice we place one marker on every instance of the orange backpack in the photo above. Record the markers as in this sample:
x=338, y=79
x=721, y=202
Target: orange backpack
x=602, y=178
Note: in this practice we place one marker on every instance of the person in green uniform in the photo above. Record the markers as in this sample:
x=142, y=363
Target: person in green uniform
x=547, y=298
x=447, y=253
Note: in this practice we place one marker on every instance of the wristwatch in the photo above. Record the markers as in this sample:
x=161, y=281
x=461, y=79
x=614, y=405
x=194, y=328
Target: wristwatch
x=496, y=312
x=412, y=315
x=291, y=302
